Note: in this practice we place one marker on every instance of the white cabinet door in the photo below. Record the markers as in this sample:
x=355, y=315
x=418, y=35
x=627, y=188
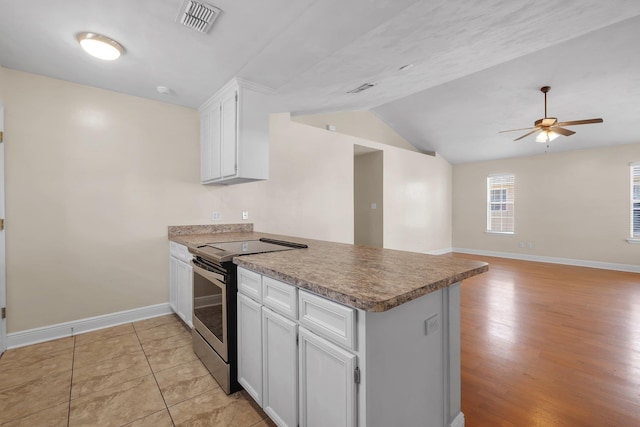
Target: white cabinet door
x=173, y=284
x=210, y=143
x=234, y=134
x=327, y=386
x=250, y=347
x=280, y=368
x=229, y=132
x=185, y=292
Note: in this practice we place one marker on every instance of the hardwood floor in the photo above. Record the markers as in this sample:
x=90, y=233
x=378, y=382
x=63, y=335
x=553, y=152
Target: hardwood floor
x=550, y=345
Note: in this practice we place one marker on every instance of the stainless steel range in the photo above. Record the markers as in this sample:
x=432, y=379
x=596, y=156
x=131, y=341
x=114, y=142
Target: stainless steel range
x=214, y=303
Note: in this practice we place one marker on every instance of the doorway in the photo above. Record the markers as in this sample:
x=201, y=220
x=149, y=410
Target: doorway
x=367, y=196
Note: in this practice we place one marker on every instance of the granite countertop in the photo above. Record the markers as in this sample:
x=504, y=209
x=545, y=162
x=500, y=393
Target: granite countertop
x=371, y=279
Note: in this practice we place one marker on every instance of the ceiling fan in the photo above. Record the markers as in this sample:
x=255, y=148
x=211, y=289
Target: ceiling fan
x=549, y=128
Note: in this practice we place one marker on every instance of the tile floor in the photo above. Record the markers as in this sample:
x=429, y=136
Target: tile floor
x=138, y=374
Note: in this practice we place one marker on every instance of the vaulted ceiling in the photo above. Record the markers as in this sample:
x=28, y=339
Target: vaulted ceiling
x=476, y=66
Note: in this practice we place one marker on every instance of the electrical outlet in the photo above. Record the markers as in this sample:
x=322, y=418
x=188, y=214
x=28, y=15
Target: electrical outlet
x=432, y=324
x=521, y=244
x=215, y=216
x=530, y=245
x=374, y=206
x=245, y=214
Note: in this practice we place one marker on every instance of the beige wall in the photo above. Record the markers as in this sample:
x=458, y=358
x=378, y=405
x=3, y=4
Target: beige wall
x=568, y=205
x=417, y=202
x=93, y=179
x=362, y=124
x=368, y=184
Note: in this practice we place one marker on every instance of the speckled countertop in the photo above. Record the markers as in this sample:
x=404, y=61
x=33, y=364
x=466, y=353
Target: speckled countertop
x=371, y=279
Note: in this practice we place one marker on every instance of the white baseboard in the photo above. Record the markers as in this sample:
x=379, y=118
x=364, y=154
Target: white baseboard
x=458, y=421
x=553, y=260
x=439, y=251
x=75, y=327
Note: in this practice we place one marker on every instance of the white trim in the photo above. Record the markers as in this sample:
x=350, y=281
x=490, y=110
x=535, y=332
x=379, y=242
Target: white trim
x=458, y=421
x=75, y=327
x=554, y=260
x=635, y=241
x=506, y=233
x=439, y=251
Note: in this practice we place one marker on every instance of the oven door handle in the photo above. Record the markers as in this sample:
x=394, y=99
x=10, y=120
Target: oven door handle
x=208, y=274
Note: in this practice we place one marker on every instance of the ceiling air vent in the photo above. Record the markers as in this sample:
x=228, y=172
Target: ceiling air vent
x=197, y=15
x=362, y=87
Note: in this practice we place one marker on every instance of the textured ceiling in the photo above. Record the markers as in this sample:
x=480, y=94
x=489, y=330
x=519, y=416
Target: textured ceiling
x=477, y=65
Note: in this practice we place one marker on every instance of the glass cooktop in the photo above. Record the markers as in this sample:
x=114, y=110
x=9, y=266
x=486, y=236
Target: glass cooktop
x=225, y=251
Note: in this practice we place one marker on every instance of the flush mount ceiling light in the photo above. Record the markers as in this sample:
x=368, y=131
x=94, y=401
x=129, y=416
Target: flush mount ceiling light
x=100, y=46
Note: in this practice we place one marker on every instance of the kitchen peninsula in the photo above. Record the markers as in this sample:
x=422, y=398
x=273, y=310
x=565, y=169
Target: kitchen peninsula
x=348, y=335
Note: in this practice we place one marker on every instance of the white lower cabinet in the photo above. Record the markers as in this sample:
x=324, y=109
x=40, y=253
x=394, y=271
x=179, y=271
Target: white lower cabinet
x=296, y=376
x=173, y=284
x=185, y=292
x=327, y=386
x=181, y=283
x=279, y=368
x=350, y=368
x=250, y=346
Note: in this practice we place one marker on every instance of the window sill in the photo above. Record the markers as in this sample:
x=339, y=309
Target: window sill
x=634, y=240
x=502, y=233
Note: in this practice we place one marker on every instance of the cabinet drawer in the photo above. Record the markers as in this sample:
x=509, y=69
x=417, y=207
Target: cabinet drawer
x=328, y=319
x=280, y=297
x=250, y=284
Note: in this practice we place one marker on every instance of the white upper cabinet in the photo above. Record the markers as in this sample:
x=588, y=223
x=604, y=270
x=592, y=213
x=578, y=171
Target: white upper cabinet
x=234, y=134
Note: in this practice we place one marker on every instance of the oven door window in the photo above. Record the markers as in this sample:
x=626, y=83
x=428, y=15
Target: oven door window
x=209, y=304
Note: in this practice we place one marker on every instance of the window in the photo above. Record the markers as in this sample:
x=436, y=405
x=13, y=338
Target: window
x=500, y=200
x=635, y=200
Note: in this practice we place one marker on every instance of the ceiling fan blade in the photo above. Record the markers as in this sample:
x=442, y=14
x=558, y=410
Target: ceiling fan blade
x=580, y=122
x=513, y=130
x=561, y=131
x=527, y=134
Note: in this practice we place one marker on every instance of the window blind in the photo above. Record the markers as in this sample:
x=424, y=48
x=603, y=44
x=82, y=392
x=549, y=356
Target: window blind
x=635, y=200
x=500, y=203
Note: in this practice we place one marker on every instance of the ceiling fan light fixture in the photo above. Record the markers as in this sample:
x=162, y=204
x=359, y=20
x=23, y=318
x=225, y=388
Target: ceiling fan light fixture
x=99, y=46
x=546, y=136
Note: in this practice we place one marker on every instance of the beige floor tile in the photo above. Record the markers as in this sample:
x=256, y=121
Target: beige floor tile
x=108, y=373
x=153, y=346
x=34, y=396
x=102, y=334
x=156, y=321
x=162, y=331
x=215, y=408
x=184, y=381
x=117, y=405
x=54, y=346
x=265, y=423
x=93, y=352
x=33, y=367
x=159, y=419
x=169, y=358
x=56, y=416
